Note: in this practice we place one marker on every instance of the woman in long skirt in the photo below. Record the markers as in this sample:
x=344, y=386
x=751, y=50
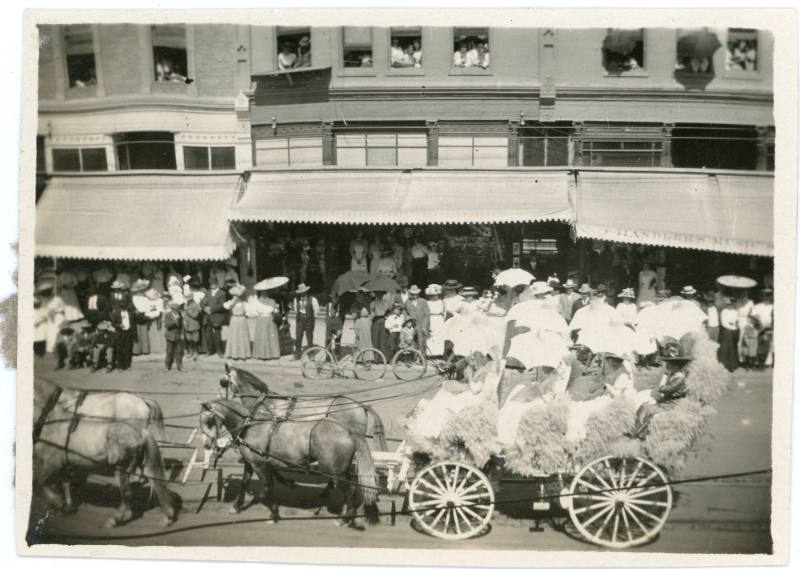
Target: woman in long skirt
x=155, y=324
x=266, y=345
x=728, y=352
x=436, y=306
x=378, y=308
x=238, y=341
x=141, y=346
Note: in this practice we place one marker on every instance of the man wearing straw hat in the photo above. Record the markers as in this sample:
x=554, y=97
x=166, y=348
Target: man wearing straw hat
x=567, y=298
x=417, y=308
x=585, y=293
x=306, y=308
x=215, y=317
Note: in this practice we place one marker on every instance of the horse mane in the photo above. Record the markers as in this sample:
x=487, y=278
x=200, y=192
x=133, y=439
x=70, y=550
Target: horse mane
x=251, y=380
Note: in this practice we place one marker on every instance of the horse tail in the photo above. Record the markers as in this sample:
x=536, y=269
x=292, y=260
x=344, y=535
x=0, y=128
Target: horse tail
x=155, y=417
x=154, y=470
x=378, y=431
x=367, y=480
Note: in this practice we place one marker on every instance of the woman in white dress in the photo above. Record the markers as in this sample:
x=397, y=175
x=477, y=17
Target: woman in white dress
x=436, y=306
x=66, y=282
x=626, y=309
x=648, y=279
x=55, y=313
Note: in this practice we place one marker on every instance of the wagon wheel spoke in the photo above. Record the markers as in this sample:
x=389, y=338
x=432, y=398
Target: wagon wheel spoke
x=428, y=503
x=644, y=483
x=438, y=517
x=454, y=478
x=633, y=476
x=610, y=471
x=446, y=477
x=468, y=510
x=459, y=511
x=438, y=489
x=463, y=482
x=605, y=522
x=627, y=524
x=644, y=512
x=599, y=478
x=635, y=518
x=583, y=482
x=622, y=474
x=649, y=503
x=592, y=507
x=615, y=529
x=650, y=492
x=454, y=514
x=473, y=497
x=598, y=515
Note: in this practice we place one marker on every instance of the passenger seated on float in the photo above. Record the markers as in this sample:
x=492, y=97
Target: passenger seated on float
x=671, y=388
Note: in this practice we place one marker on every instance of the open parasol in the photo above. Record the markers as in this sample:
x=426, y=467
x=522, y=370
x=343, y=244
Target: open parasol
x=475, y=333
x=349, y=281
x=271, y=283
x=621, y=41
x=383, y=283
x=672, y=318
x=513, y=277
x=736, y=281
x=700, y=43
x=539, y=335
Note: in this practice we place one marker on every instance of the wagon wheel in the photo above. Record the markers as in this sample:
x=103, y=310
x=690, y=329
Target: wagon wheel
x=409, y=364
x=622, y=502
x=369, y=364
x=317, y=363
x=451, y=500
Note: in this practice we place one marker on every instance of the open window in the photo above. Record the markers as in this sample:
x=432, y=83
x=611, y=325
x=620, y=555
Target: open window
x=741, y=50
x=145, y=150
x=695, y=51
x=471, y=48
x=406, y=47
x=623, y=51
x=79, y=49
x=356, y=47
x=170, y=60
x=293, y=47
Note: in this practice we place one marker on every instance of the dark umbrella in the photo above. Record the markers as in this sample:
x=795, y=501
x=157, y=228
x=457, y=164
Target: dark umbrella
x=701, y=43
x=383, y=283
x=349, y=281
x=621, y=41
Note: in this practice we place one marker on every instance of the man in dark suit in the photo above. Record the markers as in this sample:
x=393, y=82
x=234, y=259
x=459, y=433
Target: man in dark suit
x=417, y=308
x=122, y=320
x=173, y=334
x=216, y=316
x=586, y=296
x=97, y=305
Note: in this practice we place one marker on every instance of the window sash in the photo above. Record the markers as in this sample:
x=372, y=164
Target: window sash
x=79, y=159
x=133, y=160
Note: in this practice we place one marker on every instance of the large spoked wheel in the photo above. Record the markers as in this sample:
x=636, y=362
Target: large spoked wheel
x=317, y=363
x=451, y=500
x=623, y=502
x=409, y=364
x=369, y=364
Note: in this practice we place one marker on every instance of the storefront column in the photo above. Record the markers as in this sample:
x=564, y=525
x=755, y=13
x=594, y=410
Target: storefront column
x=666, y=146
x=328, y=144
x=577, y=147
x=433, y=142
x=513, y=143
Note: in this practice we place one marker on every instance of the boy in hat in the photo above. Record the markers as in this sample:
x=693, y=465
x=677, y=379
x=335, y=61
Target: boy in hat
x=585, y=296
x=103, y=346
x=191, y=326
x=122, y=319
x=394, y=325
x=82, y=354
x=65, y=346
x=671, y=388
x=173, y=333
x=418, y=310
x=306, y=308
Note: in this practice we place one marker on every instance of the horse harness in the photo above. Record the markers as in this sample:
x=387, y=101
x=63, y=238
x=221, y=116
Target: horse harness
x=73, y=423
x=274, y=423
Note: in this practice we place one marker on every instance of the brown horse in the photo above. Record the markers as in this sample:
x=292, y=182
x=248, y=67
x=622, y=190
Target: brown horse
x=347, y=411
x=266, y=443
x=70, y=446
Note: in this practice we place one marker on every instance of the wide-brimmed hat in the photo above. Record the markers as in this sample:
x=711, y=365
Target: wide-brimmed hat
x=304, y=41
x=627, y=293
x=105, y=325
x=140, y=285
x=585, y=289
x=237, y=290
x=433, y=290
x=539, y=287
x=152, y=294
x=689, y=290
x=118, y=285
x=271, y=283
x=303, y=287
x=674, y=352
x=414, y=289
x=83, y=324
x=451, y=284
x=44, y=286
x=601, y=289
x=663, y=293
x=469, y=291
x=569, y=284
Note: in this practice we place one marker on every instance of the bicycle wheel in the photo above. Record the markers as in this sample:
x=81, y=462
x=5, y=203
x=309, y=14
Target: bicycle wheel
x=369, y=364
x=317, y=363
x=408, y=364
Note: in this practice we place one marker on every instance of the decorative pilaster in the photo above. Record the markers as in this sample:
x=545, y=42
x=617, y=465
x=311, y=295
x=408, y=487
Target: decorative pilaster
x=513, y=143
x=432, y=131
x=328, y=144
x=666, y=145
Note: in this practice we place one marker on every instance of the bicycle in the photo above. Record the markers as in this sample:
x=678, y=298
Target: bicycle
x=409, y=364
x=318, y=362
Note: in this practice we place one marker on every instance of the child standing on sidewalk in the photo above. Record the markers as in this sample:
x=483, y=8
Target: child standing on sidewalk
x=173, y=333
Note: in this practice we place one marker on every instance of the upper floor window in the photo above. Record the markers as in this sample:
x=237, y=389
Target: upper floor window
x=623, y=50
x=406, y=47
x=289, y=152
x=471, y=47
x=294, y=47
x=741, y=52
x=635, y=153
x=209, y=157
x=79, y=49
x=79, y=159
x=356, y=46
x=487, y=151
x=695, y=51
x=169, y=54
x=382, y=149
x=544, y=146
x=146, y=150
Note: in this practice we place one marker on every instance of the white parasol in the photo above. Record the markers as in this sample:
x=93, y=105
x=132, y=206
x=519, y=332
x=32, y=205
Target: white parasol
x=475, y=332
x=271, y=283
x=672, y=318
x=513, y=277
x=539, y=334
x=736, y=281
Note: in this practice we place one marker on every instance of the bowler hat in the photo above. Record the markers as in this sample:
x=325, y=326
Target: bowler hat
x=688, y=290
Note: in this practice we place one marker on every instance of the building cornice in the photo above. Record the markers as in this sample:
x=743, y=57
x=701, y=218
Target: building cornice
x=139, y=103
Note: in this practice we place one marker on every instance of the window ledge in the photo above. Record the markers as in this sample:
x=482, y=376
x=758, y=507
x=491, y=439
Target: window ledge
x=633, y=73
x=742, y=74
x=683, y=73
x=357, y=72
x=455, y=71
x=405, y=72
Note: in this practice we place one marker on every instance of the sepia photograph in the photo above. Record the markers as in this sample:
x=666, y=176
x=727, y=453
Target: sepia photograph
x=359, y=281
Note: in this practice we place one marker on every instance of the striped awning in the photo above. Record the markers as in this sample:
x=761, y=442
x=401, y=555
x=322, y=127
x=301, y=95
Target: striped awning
x=729, y=213
x=136, y=217
x=404, y=197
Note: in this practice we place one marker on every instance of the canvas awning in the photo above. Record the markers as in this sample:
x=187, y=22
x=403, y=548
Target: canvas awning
x=404, y=197
x=729, y=213
x=136, y=217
